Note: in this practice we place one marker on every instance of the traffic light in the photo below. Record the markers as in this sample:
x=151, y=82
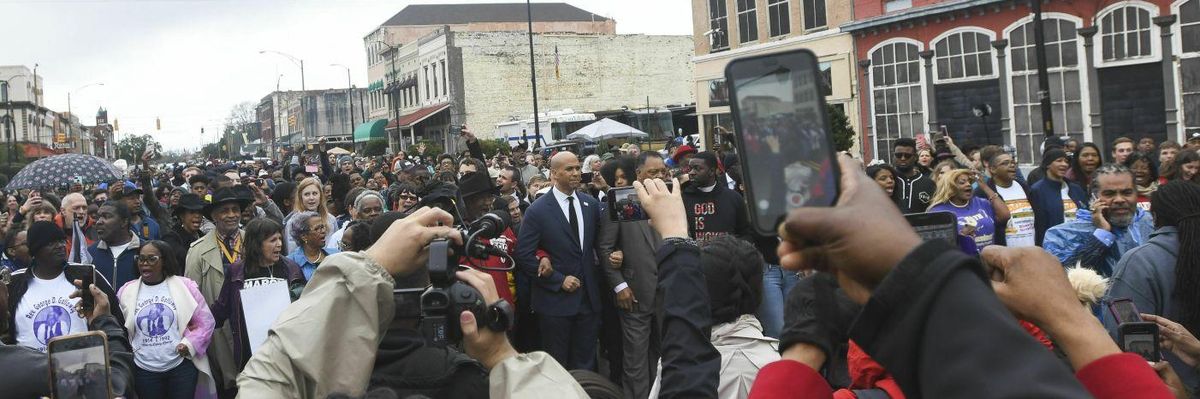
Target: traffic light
x=158, y=123
x=116, y=125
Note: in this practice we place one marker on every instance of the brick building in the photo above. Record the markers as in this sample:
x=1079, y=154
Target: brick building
x=728, y=29
x=1116, y=68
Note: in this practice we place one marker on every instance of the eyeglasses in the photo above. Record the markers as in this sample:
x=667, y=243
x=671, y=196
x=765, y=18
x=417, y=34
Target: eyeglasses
x=409, y=196
x=903, y=155
x=148, y=258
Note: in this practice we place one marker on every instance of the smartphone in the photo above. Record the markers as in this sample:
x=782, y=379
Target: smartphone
x=586, y=178
x=941, y=134
x=456, y=130
x=624, y=205
x=935, y=226
x=311, y=168
x=1124, y=311
x=1140, y=338
x=79, y=366
x=86, y=274
x=782, y=125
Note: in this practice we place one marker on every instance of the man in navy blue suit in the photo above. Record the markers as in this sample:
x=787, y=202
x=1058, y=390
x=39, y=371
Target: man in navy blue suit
x=556, y=249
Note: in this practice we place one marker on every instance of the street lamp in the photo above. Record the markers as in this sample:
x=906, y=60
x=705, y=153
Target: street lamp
x=71, y=112
x=300, y=63
x=349, y=97
x=11, y=124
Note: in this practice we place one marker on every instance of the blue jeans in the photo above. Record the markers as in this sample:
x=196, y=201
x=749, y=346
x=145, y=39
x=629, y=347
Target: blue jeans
x=777, y=283
x=176, y=383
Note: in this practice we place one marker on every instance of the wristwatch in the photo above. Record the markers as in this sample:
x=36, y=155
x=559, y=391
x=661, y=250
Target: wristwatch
x=502, y=316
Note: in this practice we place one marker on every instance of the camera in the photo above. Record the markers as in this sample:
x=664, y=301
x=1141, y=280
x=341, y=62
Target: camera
x=447, y=297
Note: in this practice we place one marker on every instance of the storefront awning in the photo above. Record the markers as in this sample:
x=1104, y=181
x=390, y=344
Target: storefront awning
x=370, y=130
x=417, y=116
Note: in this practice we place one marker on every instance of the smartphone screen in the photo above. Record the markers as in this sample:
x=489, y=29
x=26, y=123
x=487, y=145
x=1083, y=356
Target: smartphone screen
x=934, y=226
x=1124, y=311
x=586, y=178
x=79, y=366
x=86, y=274
x=782, y=125
x=624, y=205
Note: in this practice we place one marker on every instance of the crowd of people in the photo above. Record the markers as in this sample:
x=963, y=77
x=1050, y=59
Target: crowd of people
x=302, y=278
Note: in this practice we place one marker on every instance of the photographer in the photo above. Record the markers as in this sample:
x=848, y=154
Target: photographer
x=927, y=308
x=350, y=297
x=25, y=369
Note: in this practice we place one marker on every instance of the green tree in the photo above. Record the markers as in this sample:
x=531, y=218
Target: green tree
x=375, y=147
x=133, y=146
x=839, y=124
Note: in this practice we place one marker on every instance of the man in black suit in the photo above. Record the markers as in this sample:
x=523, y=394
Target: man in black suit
x=555, y=249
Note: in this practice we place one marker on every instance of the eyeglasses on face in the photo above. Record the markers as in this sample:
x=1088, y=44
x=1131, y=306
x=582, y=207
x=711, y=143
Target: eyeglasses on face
x=148, y=258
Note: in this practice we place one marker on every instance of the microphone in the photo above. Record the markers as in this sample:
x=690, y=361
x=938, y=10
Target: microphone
x=492, y=224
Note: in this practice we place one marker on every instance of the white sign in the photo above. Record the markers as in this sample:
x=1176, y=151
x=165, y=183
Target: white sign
x=263, y=300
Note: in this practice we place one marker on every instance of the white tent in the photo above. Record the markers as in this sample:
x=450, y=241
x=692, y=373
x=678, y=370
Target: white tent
x=606, y=129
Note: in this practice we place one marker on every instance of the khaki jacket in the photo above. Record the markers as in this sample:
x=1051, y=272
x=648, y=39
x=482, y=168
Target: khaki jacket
x=325, y=342
x=205, y=268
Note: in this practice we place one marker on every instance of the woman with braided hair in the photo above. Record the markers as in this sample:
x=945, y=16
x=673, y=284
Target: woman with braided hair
x=733, y=273
x=1157, y=276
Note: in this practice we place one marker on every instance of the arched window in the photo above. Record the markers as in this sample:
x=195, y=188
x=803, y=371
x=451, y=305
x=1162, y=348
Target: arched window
x=1062, y=64
x=1125, y=34
x=1189, y=62
x=896, y=94
x=963, y=55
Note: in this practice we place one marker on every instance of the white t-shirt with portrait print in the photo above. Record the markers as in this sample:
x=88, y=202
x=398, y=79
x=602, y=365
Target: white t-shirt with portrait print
x=1020, y=230
x=1069, y=207
x=47, y=311
x=155, y=335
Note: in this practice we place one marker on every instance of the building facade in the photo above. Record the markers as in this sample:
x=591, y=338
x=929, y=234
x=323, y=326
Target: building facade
x=287, y=118
x=1116, y=68
x=724, y=30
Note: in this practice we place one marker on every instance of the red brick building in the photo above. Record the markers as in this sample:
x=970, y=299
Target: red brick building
x=1117, y=68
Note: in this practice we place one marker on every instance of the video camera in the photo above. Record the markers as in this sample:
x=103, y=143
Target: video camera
x=447, y=297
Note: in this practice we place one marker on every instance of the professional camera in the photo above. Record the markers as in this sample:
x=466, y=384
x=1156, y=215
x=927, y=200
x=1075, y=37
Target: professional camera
x=448, y=297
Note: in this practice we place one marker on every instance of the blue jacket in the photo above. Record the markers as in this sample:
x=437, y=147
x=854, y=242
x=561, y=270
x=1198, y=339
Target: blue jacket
x=544, y=227
x=148, y=230
x=306, y=267
x=118, y=271
x=1046, y=198
x=1080, y=241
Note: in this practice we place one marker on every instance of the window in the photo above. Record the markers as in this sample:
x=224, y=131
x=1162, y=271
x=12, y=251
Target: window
x=426, y=83
x=777, y=10
x=814, y=14
x=963, y=55
x=3, y=91
x=1125, y=34
x=718, y=25
x=1189, y=26
x=445, y=85
x=1189, y=63
x=897, y=102
x=896, y=5
x=826, y=78
x=1062, y=63
x=718, y=93
x=747, y=21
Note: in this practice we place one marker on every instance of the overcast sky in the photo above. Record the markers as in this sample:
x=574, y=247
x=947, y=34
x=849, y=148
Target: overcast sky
x=190, y=61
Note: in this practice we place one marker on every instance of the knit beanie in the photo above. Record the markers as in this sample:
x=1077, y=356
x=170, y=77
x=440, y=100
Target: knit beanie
x=43, y=233
x=1051, y=155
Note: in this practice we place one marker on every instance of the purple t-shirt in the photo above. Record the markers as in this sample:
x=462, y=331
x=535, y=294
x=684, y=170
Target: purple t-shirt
x=979, y=211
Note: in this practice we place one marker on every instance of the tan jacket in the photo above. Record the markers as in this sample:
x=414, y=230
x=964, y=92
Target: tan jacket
x=205, y=268
x=325, y=342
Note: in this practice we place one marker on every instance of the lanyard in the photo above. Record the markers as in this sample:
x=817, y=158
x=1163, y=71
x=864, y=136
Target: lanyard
x=237, y=249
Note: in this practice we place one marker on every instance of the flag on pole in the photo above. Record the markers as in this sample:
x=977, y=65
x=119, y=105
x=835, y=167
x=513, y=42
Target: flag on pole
x=556, y=74
x=79, y=253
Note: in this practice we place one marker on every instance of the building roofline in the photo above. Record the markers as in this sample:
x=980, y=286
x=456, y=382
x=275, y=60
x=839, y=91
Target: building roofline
x=917, y=12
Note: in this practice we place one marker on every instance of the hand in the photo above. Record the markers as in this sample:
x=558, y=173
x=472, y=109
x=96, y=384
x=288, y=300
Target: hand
x=832, y=239
x=466, y=133
x=1098, y=218
x=1174, y=337
x=615, y=259
x=544, y=267
x=260, y=197
x=570, y=284
x=664, y=207
x=33, y=201
x=147, y=155
x=487, y=346
x=1168, y=376
x=625, y=299
x=182, y=350
x=403, y=247
x=321, y=141
x=100, y=307
x=816, y=315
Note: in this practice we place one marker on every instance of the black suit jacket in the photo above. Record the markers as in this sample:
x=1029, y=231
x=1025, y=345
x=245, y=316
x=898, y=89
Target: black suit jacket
x=546, y=228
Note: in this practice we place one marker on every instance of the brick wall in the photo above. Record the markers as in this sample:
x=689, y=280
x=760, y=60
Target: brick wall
x=595, y=73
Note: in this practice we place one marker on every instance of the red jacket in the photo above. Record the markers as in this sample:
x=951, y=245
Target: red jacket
x=1123, y=375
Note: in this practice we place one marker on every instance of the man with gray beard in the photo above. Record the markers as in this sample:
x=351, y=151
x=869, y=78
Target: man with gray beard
x=1112, y=225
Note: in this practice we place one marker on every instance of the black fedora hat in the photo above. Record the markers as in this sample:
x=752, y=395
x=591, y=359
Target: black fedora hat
x=225, y=196
x=190, y=202
x=474, y=183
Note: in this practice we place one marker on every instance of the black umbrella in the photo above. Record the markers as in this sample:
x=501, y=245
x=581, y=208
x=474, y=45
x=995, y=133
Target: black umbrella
x=60, y=170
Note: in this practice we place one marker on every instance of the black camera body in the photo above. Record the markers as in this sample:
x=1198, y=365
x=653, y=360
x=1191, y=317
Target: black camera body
x=448, y=298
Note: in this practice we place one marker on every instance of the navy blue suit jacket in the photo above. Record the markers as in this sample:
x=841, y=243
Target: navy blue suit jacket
x=546, y=227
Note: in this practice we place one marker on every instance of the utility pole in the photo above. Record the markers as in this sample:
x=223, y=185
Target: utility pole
x=349, y=98
x=537, y=125
x=1039, y=43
